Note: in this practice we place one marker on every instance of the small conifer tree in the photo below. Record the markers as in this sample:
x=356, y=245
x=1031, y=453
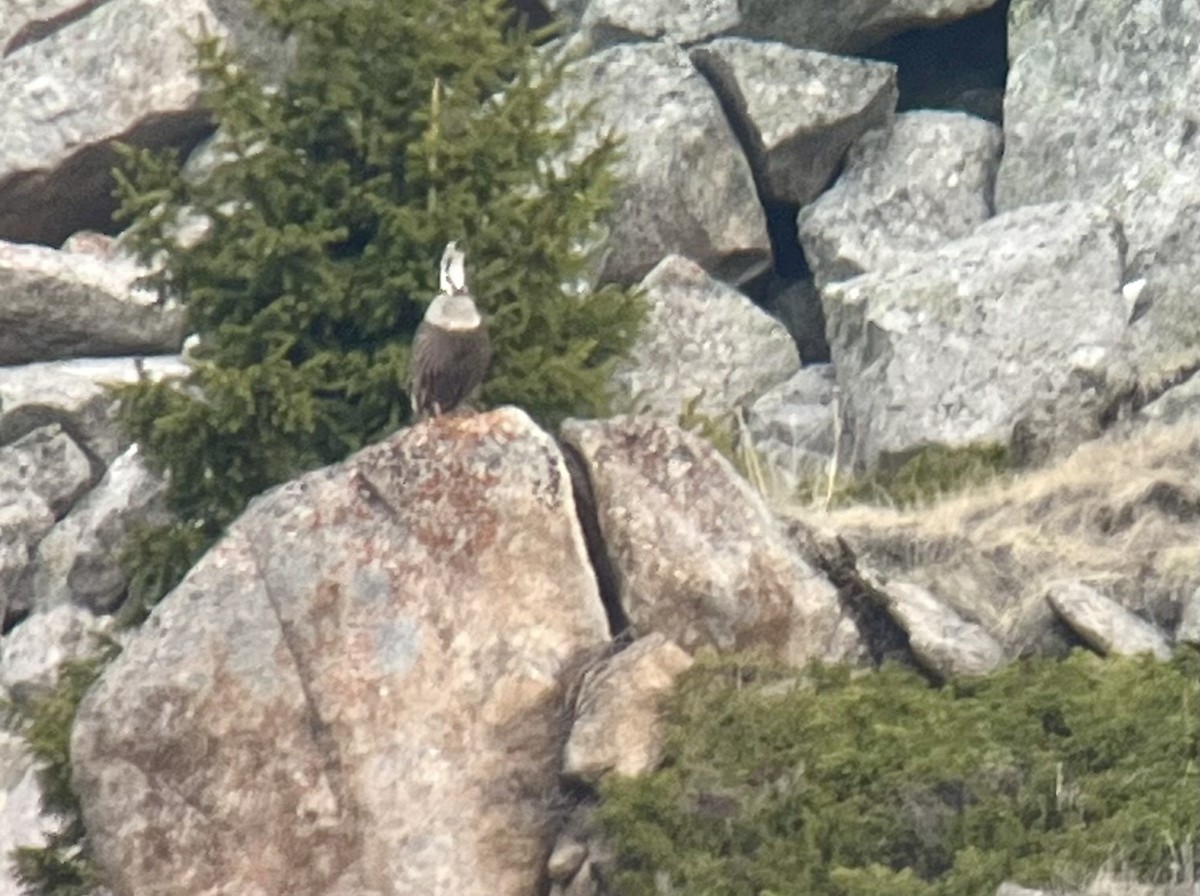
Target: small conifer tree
x=401, y=126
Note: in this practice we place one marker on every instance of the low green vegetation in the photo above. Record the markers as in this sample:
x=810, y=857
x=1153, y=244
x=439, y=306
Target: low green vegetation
x=830, y=783
x=62, y=867
x=930, y=473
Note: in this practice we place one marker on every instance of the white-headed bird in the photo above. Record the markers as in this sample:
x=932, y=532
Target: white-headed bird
x=451, y=349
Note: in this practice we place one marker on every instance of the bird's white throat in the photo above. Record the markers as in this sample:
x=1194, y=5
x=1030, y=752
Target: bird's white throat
x=453, y=312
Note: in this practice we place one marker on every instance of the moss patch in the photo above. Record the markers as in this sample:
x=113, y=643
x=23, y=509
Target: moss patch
x=831, y=783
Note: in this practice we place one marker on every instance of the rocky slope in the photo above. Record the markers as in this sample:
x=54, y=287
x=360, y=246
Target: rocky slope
x=369, y=684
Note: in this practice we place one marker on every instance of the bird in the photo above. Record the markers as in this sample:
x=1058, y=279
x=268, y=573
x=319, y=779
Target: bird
x=451, y=349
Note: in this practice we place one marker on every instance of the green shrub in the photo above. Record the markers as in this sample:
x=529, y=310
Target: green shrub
x=832, y=784
x=62, y=867
x=928, y=474
x=401, y=127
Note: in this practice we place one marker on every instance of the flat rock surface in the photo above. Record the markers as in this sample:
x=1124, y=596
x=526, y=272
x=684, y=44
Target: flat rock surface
x=1101, y=106
x=56, y=304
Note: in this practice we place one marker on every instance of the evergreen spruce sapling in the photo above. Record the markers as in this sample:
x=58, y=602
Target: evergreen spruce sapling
x=402, y=126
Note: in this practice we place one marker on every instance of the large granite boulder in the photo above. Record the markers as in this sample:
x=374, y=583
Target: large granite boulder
x=793, y=429
x=686, y=186
x=1019, y=325
x=358, y=689
x=1101, y=106
x=800, y=109
x=696, y=554
x=704, y=346
x=912, y=187
x=124, y=71
x=56, y=304
x=75, y=395
x=816, y=24
x=79, y=560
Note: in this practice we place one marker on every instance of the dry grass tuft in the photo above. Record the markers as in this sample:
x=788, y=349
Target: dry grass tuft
x=1121, y=513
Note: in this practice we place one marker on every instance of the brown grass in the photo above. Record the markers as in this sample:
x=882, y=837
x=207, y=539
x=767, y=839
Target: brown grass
x=1121, y=513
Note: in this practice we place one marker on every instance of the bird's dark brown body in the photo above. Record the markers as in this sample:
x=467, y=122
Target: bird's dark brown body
x=447, y=366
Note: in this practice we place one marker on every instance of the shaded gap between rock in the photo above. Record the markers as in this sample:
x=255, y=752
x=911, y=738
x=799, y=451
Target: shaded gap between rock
x=1141, y=394
x=40, y=29
x=961, y=65
x=49, y=205
x=884, y=638
x=786, y=255
x=589, y=521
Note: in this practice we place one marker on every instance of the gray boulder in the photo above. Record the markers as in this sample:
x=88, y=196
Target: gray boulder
x=48, y=463
x=686, y=187
x=41, y=475
x=1101, y=106
x=358, y=689
x=800, y=109
x=1105, y=624
x=849, y=25
x=31, y=653
x=78, y=562
x=125, y=71
x=618, y=724
x=21, y=819
x=923, y=182
x=24, y=519
x=74, y=395
x=697, y=556
x=942, y=641
x=792, y=428
x=1019, y=325
x=56, y=304
x=607, y=22
x=1188, y=630
x=704, y=342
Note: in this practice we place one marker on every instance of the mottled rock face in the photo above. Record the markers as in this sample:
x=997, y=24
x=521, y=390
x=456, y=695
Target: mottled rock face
x=686, y=186
x=800, y=109
x=1105, y=624
x=79, y=560
x=358, y=689
x=705, y=342
x=56, y=304
x=74, y=84
x=697, y=555
x=1101, y=106
x=922, y=182
x=618, y=725
x=846, y=26
x=1022, y=322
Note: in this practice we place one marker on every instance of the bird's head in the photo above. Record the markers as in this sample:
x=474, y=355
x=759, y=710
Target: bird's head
x=453, y=277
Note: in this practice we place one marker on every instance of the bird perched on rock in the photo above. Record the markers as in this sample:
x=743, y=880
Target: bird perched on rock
x=451, y=350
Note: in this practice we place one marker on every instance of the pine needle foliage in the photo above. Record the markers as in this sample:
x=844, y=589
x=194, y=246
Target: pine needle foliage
x=63, y=867
x=834, y=784
x=401, y=126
